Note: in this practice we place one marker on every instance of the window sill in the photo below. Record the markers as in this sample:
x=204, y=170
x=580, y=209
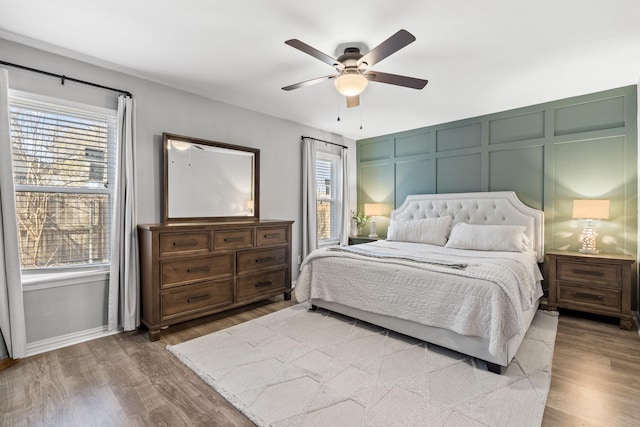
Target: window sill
x=328, y=243
x=32, y=281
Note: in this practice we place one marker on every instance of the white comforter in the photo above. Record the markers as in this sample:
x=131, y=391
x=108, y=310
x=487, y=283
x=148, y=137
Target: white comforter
x=468, y=292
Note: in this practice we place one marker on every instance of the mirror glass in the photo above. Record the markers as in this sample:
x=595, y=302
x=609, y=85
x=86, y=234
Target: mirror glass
x=207, y=180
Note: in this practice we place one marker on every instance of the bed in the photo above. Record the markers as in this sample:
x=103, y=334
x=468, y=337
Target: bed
x=456, y=270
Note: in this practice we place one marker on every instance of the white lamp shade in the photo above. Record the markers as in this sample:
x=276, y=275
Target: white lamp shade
x=373, y=209
x=591, y=209
x=351, y=84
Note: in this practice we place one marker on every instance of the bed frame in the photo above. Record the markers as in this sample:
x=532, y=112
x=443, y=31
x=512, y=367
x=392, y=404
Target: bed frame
x=496, y=208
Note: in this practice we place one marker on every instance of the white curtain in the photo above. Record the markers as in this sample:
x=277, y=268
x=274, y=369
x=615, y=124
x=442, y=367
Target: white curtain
x=124, y=286
x=345, y=223
x=309, y=219
x=11, y=302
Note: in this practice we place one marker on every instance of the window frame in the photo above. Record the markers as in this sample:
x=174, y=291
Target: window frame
x=27, y=100
x=335, y=197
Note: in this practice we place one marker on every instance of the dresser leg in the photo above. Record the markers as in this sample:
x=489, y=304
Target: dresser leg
x=287, y=296
x=154, y=334
x=626, y=324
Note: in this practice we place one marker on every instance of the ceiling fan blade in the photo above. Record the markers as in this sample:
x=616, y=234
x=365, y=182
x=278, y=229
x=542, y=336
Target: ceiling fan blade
x=353, y=101
x=315, y=53
x=395, y=79
x=387, y=47
x=309, y=82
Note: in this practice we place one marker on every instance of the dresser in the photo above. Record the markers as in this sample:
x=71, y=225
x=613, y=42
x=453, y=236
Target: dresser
x=599, y=284
x=190, y=270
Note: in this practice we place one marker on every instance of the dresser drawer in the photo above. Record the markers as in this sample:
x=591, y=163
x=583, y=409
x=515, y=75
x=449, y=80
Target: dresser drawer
x=251, y=286
x=189, y=270
x=272, y=236
x=600, y=298
x=593, y=273
x=181, y=301
x=192, y=242
x=255, y=260
x=233, y=239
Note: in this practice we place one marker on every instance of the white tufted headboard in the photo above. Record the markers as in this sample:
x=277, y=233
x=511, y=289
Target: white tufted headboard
x=495, y=208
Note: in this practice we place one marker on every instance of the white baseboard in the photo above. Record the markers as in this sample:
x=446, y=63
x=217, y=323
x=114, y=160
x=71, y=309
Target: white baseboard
x=55, y=343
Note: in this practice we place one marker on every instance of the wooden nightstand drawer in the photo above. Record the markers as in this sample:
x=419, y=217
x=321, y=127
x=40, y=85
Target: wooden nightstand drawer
x=601, y=298
x=601, y=274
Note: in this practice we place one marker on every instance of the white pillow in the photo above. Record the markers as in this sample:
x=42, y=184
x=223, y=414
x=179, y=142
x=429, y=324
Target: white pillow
x=510, y=238
x=433, y=231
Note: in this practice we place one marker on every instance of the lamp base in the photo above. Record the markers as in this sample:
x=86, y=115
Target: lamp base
x=589, y=251
x=372, y=228
x=589, y=241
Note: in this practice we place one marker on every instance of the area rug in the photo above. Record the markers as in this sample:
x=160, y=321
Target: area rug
x=297, y=367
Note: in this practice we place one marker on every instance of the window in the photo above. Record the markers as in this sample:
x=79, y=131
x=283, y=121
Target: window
x=328, y=189
x=64, y=164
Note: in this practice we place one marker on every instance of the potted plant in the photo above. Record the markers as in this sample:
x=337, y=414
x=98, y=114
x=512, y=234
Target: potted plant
x=360, y=219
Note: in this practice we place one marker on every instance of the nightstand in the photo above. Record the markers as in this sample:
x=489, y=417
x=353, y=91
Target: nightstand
x=599, y=284
x=356, y=240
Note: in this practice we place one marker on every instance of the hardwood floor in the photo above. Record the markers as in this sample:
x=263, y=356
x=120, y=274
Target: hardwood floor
x=125, y=380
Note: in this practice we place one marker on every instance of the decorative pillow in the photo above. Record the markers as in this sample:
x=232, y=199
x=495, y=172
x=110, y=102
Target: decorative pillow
x=509, y=238
x=433, y=231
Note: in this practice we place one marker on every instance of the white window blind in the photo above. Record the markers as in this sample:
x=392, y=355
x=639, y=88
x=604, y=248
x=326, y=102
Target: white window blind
x=64, y=164
x=328, y=197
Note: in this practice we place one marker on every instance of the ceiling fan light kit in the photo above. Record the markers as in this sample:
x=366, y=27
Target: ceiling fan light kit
x=351, y=84
x=354, y=68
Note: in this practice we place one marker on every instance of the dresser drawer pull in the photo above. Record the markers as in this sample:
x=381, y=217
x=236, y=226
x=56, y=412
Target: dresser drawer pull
x=204, y=268
x=585, y=295
x=272, y=235
x=233, y=239
x=183, y=243
x=265, y=259
x=589, y=272
x=197, y=298
x=265, y=283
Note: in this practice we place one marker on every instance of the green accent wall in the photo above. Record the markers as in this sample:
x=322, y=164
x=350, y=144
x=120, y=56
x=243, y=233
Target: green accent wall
x=549, y=154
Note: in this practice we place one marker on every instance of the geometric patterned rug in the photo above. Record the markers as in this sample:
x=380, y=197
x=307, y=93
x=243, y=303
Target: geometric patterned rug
x=297, y=367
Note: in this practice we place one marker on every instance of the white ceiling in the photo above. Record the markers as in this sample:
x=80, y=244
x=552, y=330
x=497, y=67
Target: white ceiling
x=480, y=56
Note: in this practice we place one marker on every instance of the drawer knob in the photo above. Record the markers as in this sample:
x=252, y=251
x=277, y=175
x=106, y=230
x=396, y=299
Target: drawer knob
x=589, y=272
x=265, y=259
x=197, y=298
x=265, y=283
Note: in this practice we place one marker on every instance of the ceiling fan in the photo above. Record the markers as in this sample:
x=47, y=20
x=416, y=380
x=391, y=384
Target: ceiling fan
x=353, y=67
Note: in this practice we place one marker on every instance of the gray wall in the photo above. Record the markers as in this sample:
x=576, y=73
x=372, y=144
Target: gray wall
x=549, y=154
x=161, y=109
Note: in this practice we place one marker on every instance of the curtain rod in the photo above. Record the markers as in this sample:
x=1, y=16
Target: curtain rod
x=62, y=78
x=326, y=142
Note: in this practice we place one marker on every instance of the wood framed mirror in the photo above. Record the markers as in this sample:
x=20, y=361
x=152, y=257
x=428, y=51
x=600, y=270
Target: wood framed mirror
x=209, y=180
